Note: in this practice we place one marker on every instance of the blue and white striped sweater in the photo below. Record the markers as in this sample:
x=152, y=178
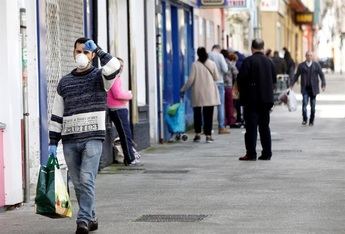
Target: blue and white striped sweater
x=79, y=107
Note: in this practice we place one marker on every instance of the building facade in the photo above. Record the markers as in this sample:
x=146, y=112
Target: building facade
x=39, y=38
x=242, y=25
x=156, y=39
x=283, y=25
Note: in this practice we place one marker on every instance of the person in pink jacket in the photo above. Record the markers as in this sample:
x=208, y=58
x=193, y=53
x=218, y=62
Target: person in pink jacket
x=117, y=100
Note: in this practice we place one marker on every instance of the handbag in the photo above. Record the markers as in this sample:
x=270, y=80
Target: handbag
x=235, y=92
x=208, y=69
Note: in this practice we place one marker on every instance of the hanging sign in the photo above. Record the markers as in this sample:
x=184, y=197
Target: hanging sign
x=221, y=3
x=269, y=5
x=237, y=3
x=304, y=18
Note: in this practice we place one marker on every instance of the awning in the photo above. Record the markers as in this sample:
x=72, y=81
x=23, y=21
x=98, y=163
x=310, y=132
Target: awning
x=298, y=6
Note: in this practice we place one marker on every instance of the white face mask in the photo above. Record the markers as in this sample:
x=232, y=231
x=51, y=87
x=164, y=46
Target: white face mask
x=81, y=60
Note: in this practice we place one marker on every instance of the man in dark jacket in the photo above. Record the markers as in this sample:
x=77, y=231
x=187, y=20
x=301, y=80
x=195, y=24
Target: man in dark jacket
x=256, y=79
x=310, y=72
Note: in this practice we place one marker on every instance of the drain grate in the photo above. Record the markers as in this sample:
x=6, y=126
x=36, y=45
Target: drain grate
x=288, y=150
x=171, y=218
x=121, y=170
x=219, y=156
x=323, y=138
x=131, y=169
x=166, y=171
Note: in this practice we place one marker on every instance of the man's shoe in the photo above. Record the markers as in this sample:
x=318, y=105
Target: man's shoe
x=209, y=139
x=247, y=158
x=82, y=228
x=311, y=124
x=223, y=131
x=236, y=125
x=262, y=157
x=304, y=122
x=93, y=225
x=197, y=138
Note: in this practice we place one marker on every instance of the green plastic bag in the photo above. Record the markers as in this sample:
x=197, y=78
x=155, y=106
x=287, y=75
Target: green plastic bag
x=171, y=110
x=52, y=199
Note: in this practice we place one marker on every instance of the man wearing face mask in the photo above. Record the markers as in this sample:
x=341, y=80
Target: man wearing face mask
x=78, y=118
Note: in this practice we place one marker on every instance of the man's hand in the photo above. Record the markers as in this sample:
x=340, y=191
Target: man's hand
x=90, y=45
x=323, y=88
x=52, y=150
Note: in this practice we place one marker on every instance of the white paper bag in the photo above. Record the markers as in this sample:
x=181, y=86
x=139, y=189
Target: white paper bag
x=291, y=100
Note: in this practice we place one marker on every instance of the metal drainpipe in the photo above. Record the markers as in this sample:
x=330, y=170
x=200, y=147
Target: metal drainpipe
x=25, y=104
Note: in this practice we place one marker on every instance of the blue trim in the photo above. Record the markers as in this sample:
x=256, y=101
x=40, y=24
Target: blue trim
x=175, y=78
x=43, y=106
x=161, y=48
x=176, y=64
x=85, y=18
x=189, y=59
x=88, y=20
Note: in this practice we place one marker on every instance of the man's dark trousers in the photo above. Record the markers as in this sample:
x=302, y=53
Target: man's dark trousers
x=308, y=94
x=255, y=116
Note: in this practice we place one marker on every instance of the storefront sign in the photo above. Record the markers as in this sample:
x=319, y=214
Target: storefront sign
x=190, y=2
x=222, y=3
x=237, y=3
x=304, y=18
x=269, y=5
x=212, y=2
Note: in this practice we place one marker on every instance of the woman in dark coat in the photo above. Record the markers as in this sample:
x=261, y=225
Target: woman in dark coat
x=290, y=64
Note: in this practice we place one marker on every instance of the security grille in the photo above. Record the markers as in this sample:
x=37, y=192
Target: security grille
x=64, y=20
x=171, y=218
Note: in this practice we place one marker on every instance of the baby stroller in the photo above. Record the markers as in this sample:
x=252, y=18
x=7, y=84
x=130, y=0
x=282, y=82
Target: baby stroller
x=175, y=120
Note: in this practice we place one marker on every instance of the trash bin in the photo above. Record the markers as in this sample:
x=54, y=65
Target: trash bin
x=2, y=180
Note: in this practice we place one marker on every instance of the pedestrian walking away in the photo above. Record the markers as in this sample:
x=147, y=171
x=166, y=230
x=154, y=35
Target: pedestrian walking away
x=204, y=93
x=256, y=80
x=78, y=119
x=290, y=64
x=310, y=73
x=222, y=69
x=279, y=63
x=117, y=100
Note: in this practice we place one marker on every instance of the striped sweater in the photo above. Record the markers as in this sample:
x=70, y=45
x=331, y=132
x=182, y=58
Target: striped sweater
x=79, y=108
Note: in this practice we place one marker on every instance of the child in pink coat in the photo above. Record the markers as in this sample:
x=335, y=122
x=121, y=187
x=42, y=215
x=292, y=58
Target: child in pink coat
x=117, y=100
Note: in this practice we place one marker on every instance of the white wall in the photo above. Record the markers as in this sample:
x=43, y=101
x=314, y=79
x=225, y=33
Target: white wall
x=137, y=38
x=118, y=34
x=213, y=19
x=11, y=99
x=152, y=70
x=102, y=24
x=33, y=91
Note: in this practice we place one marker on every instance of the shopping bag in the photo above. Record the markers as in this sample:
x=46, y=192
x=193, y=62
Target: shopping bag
x=52, y=199
x=235, y=92
x=172, y=109
x=119, y=157
x=283, y=97
x=291, y=100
